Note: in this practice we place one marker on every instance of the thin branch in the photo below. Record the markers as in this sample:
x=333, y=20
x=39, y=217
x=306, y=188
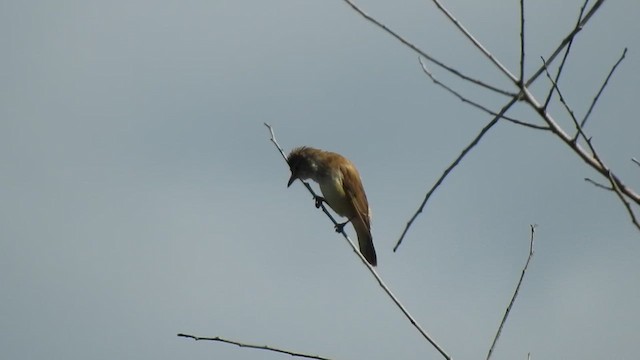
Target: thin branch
x=515, y=293
x=473, y=103
x=475, y=42
x=635, y=161
x=606, y=81
x=521, y=78
x=420, y=52
x=273, y=140
x=567, y=40
x=590, y=159
x=566, y=55
x=554, y=86
x=382, y=284
x=251, y=346
x=616, y=189
x=446, y=172
x=597, y=184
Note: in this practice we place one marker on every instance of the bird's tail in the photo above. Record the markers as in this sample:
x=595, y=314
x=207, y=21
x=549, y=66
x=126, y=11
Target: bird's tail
x=365, y=241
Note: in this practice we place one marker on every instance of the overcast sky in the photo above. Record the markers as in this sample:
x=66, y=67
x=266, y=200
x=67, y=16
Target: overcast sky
x=140, y=196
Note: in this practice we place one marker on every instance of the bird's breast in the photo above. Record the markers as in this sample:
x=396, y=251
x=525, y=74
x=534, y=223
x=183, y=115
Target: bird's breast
x=333, y=193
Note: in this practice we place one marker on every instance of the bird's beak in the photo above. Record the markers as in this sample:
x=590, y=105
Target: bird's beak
x=292, y=179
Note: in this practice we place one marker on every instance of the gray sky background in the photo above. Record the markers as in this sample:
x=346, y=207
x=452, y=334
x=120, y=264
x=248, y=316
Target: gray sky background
x=141, y=197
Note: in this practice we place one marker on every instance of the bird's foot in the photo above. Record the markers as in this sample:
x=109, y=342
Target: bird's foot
x=319, y=200
x=340, y=227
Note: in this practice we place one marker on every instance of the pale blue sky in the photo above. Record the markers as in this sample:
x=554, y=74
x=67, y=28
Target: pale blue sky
x=141, y=196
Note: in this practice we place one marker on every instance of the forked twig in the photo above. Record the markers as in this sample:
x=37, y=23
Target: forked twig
x=604, y=84
x=515, y=293
x=251, y=346
x=597, y=184
x=475, y=42
x=382, y=284
x=473, y=103
x=569, y=38
x=422, y=53
x=621, y=196
x=556, y=88
x=566, y=55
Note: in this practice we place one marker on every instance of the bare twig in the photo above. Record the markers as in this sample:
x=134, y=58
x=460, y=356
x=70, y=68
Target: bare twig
x=521, y=78
x=635, y=161
x=446, y=172
x=568, y=39
x=566, y=55
x=251, y=346
x=420, y=52
x=597, y=184
x=382, y=284
x=475, y=42
x=554, y=86
x=590, y=159
x=621, y=196
x=473, y=103
x=606, y=81
x=515, y=293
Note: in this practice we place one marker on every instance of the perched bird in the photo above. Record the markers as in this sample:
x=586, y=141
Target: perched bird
x=341, y=188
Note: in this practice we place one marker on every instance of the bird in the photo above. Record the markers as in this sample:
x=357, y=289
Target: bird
x=341, y=188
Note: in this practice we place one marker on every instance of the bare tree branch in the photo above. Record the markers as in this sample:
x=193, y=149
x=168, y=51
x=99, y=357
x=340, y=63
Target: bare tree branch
x=556, y=88
x=475, y=42
x=251, y=346
x=569, y=38
x=522, y=47
x=566, y=55
x=420, y=52
x=446, y=172
x=635, y=161
x=473, y=103
x=606, y=81
x=621, y=196
x=597, y=184
x=382, y=284
x=515, y=293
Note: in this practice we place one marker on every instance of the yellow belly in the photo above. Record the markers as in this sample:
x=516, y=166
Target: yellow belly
x=335, y=196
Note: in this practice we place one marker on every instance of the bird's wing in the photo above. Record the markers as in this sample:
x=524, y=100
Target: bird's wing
x=355, y=192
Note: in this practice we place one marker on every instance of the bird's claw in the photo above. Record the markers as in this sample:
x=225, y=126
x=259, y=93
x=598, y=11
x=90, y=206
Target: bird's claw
x=319, y=200
x=340, y=227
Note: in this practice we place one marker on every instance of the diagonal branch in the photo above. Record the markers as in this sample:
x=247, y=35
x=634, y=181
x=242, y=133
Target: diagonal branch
x=590, y=159
x=621, y=196
x=473, y=103
x=569, y=38
x=556, y=88
x=606, y=81
x=446, y=172
x=475, y=42
x=597, y=184
x=420, y=52
x=566, y=55
x=515, y=294
x=251, y=346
